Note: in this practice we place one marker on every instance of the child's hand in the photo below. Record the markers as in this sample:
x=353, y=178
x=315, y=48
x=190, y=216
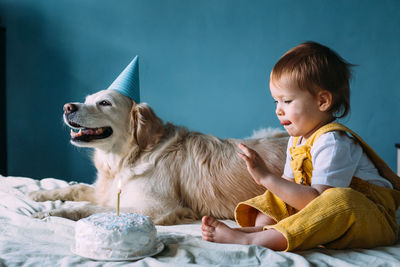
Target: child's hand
x=255, y=164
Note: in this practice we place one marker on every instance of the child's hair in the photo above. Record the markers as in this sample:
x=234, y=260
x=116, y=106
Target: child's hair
x=313, y=67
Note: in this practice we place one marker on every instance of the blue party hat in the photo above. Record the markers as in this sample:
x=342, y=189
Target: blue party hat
x=127, y=83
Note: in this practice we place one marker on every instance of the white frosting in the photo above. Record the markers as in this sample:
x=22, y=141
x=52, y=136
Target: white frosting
x=106, y=235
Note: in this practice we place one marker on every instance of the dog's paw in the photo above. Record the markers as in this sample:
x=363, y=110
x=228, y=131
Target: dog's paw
x=41, y=215
x=73, y=214
x=38, y=196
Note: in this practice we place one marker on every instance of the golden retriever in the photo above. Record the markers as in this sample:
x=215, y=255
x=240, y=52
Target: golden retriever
x=166, y=172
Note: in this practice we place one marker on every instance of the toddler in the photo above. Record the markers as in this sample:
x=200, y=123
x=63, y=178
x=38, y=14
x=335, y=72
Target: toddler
x=335, y=192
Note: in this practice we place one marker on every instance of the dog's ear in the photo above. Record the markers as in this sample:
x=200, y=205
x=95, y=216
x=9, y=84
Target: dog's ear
x=146, y=126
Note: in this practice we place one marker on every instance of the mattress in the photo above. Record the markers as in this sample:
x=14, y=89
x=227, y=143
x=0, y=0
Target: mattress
x=25, y=241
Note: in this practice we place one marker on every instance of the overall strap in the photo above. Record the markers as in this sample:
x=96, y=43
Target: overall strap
x=301, y=160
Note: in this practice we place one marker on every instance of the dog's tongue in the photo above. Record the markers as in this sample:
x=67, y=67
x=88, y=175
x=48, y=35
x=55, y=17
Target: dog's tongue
x=86, y=131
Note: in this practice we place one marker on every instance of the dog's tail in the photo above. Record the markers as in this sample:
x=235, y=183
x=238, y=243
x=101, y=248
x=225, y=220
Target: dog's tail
x=267, y=133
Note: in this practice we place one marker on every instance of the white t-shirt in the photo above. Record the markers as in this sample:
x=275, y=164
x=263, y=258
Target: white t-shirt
x=336, y=158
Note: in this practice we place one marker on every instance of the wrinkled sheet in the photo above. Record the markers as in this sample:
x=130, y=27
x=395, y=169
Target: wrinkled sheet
x=25, y=241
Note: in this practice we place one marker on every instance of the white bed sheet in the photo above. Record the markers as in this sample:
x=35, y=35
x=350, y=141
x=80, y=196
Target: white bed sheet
x=25, y=241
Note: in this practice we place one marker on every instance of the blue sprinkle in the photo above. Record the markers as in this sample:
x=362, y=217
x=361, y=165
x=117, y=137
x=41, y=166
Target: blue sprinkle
x=122, y=223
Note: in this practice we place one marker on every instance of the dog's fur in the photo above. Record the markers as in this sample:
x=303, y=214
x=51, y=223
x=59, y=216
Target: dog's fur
x=167, y=172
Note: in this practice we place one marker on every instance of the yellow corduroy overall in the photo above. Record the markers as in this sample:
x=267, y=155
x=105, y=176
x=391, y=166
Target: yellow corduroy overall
x=360, y=216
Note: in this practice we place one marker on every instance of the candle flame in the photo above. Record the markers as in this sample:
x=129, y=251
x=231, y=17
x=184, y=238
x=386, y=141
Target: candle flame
x=119, y=185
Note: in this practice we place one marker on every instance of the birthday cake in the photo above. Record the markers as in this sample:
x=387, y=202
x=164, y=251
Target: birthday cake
x=108, y=236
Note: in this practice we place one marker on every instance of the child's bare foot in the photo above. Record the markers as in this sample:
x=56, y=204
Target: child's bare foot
x=216, y=231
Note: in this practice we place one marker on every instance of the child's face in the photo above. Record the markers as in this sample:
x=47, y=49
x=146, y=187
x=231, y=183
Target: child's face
x=300, y=112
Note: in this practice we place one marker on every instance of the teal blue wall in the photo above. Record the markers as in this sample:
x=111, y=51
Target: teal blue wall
x=203, y=64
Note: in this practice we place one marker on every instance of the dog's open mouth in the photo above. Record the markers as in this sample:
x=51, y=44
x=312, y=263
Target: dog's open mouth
x=83, y=134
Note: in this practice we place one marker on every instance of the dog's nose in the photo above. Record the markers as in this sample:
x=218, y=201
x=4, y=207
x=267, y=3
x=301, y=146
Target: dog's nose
x=69, y=108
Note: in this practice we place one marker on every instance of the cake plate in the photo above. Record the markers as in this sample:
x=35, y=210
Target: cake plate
x=159, y=248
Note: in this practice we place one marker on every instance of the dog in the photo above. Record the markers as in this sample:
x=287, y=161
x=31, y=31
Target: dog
x=164, y=171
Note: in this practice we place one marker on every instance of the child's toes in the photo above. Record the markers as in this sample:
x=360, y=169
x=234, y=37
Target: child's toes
x=208, y=236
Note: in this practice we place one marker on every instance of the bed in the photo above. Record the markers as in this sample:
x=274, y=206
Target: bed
x=25, y=241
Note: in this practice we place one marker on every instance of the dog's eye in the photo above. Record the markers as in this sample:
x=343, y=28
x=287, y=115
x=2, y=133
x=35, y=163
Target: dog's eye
x=104, y=103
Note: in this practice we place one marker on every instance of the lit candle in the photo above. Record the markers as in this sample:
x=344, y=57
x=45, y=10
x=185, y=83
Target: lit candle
x=118, y=195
